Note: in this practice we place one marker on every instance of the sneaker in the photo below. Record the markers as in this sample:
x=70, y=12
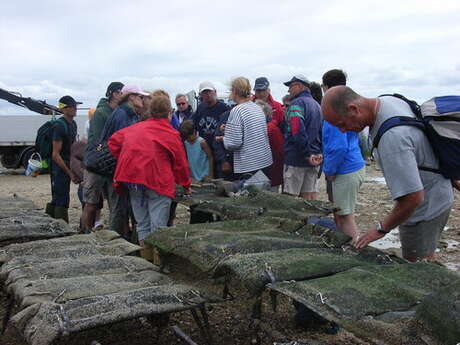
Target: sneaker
x=99, y=225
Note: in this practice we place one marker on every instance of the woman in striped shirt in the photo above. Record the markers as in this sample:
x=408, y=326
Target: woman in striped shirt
x=246, y=132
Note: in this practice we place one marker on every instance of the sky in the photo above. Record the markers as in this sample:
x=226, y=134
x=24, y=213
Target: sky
x=53, y=48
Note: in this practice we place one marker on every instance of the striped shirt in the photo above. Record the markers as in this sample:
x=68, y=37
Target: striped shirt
x=246, y=135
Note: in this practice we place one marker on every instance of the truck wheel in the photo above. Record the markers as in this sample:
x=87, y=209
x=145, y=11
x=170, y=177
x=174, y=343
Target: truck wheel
x=10, y=160
x=26, y=156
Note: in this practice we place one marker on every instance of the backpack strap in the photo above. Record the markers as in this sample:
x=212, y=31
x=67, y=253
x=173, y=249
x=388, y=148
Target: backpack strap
x=412, y=104
x=66, y=125
x=394, y=122
x=401, y=121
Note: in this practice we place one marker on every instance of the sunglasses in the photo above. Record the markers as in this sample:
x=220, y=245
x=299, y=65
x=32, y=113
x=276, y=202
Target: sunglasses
x=178, y=104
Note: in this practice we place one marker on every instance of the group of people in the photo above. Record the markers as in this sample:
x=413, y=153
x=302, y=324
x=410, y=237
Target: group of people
x=292, y=143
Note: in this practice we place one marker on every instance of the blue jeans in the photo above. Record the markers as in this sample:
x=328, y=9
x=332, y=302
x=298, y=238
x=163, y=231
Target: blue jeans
x=150, y=209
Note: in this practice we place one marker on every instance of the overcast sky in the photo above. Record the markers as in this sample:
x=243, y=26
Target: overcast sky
x=52, y=48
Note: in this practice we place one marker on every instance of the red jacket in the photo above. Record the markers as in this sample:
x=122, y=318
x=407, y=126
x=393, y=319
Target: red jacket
x=151, y=153
x=276, y=139
x=278, y=110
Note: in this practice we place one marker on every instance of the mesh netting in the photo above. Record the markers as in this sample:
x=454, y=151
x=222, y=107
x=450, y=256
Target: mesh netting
x=29, y=228
x=256, y=270
x=69, y=250
x=98, y=239
x=13, y=271
x=69, y=284
x=371, y=290
x=42, y=323
x=440, y=312
x=15, y=202
x=376, y=303
x=27, y=292
x=256, y=203
x=17, y=213
x=206, y=245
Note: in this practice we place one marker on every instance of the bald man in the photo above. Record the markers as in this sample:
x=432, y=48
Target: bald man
x=423, y=199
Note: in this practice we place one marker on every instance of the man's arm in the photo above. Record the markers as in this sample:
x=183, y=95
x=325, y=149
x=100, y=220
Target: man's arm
x=56, y=156
x=402, y=210
x=205, y=147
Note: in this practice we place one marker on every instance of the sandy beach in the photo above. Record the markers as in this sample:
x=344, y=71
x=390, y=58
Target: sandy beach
x=230, y=321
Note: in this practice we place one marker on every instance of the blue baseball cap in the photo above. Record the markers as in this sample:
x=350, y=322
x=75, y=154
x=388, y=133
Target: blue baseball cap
x=261, y=83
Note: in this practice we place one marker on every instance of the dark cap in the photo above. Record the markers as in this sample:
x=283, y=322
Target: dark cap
x=261, y=83
x=68, y=101
x=113, y=87
x=298, y=78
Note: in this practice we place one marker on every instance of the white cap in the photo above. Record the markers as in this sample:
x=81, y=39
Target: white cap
x=206, y=85
x=299, y=78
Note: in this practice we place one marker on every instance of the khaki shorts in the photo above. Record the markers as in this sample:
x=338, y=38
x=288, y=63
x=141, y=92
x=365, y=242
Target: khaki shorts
x=93, y=187
x=299, y=180
x=345, y=189
x=421, y=239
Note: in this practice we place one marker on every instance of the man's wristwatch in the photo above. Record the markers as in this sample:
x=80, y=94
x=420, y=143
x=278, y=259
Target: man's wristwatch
x=380, y=229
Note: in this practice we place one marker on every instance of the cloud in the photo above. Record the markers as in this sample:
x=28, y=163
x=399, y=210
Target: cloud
x=55, y=47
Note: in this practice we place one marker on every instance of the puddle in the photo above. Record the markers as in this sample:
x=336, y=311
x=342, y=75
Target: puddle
x=451, y=244
x=379, y=180
x=454, y=266
x=389, y=241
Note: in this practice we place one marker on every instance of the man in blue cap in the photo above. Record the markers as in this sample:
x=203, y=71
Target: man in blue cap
x=64, y=134
x=302, y=147
x=262, y=92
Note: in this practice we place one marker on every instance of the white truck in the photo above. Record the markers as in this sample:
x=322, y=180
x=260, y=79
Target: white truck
x=18, y=132
x=17, y=137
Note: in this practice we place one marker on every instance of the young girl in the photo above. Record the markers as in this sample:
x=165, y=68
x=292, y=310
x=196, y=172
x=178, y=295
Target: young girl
x=199, y=154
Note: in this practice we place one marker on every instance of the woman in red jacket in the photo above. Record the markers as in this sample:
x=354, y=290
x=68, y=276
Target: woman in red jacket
x=151, y=160
x=276, y=140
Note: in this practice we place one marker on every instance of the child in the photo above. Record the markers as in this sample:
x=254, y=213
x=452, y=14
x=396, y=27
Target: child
x=199, y=154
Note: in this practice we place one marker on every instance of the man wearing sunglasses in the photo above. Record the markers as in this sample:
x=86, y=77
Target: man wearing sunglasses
x=184, y=111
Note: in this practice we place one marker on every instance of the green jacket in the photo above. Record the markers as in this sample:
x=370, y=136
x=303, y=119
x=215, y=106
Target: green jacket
x=97, y=123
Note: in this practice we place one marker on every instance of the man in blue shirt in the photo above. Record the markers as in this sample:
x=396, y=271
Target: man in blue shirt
x=344, y=166
x=208, y=113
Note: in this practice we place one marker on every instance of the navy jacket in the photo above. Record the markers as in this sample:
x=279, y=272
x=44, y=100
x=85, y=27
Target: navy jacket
x=206, y=120
x=175, y=122
x=122, y=117
x=302, y=133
